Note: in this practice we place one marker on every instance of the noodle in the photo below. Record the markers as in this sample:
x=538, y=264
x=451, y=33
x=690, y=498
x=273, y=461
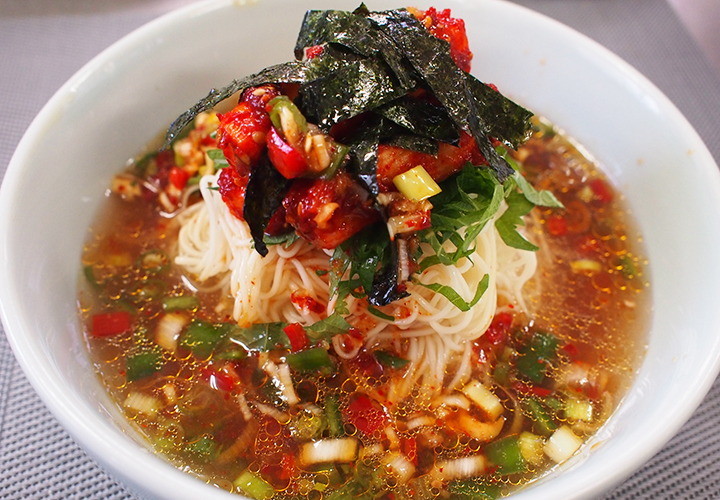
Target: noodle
x=434, y=332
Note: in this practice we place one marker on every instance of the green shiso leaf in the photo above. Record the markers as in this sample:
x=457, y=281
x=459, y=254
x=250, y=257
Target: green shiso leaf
x=518, y=206
x=261, y=337
x=541, y=198
x=326, y=328
x=454, y=297
x=467, y=202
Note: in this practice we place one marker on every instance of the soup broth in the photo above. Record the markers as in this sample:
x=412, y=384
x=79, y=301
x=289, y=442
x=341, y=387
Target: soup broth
x=245, y=408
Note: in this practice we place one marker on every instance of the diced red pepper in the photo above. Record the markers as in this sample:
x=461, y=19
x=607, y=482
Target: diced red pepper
x=286, y=159
x=499, y=329
x=219, y=379
x=366, y=362
x=178, y=177
x=109, y=324
x=241, y=133
x=365, y=414
x=298, y=337
x=557, y=225
x=571, y=350
x=601, y=191
x=588, y=244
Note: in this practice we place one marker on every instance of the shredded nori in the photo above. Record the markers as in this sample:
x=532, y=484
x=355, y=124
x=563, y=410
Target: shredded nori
x=390, y=71
x=289, y=72
x=264, y=194
x=423, y=118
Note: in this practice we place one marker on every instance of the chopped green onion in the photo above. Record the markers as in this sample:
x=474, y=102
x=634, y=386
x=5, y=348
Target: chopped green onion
x=254, y=486
x=505, y=453
x=543, y=422
x=282, y=112
x=531, y=447
x=334, y=417
x=534, y=358
x=315, y=359
x=201, y=337
x=143, y=364
x=562, y=444
x=180, y=303
x=416, y=184
x=147, y=291
x=205, y=448
x=338, y=158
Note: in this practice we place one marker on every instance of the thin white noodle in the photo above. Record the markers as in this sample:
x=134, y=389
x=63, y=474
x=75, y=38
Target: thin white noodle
x=432, y=332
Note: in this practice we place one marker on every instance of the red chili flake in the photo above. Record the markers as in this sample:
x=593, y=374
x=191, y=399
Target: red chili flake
x=314, y=51
x=306, y=303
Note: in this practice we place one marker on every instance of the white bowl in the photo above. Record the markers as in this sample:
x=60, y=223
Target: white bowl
x=106, y=112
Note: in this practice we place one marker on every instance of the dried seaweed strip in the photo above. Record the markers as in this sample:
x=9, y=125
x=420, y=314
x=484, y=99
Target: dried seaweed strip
x=264, y=194
x=430, y=56
x=505, y=120
x=423, y=118
x=290, y=72
x=353, y=89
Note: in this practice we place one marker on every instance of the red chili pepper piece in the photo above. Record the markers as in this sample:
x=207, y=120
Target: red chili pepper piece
x=499, y=329
x=109, y=324
x=219, y=379
x=286, y=159
x=241, y=133
x=314, y=51
x=298, y=337
x=409, y=448
x=232, y=189
x=450, y=29
x=557, y=225
x=601, y=191
x=365, y=414
x=306, y=303
x=178, y=177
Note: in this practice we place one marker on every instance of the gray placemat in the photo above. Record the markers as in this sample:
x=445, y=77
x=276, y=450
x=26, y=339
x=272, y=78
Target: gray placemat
x=43, y=42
